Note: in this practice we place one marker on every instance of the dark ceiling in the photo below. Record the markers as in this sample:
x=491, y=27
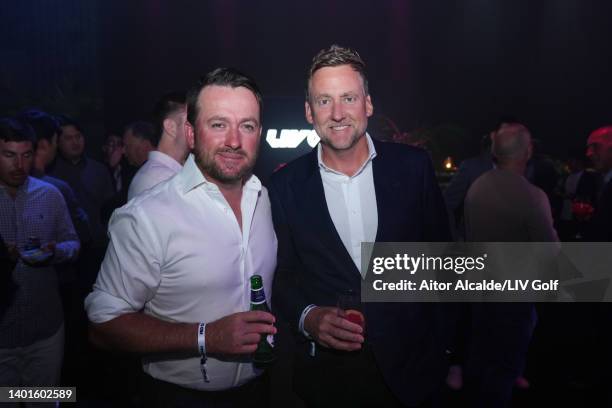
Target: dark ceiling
x=461, y=63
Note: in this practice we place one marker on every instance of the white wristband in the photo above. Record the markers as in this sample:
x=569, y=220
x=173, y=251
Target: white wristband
x=202, y=350
x=303, y=318
x=202, y=339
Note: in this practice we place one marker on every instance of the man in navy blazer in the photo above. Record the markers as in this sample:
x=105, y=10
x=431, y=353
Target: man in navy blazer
x=347, y=190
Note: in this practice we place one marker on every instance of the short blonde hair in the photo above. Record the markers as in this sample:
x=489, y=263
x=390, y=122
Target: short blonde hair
x=336, y=56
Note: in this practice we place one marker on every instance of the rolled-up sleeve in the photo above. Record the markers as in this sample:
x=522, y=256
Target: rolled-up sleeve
x=130, y=273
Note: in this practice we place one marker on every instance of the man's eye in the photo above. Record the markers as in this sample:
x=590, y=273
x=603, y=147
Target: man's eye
x=248, y=127
x=323, y=102
x=349, y=99
x=218, y=125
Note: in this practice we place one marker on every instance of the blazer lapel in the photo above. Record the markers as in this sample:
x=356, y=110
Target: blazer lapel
x=310, y=195
x=386, y=187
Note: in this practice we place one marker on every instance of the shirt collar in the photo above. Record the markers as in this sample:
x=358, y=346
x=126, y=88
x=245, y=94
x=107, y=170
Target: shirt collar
x=193, y=178
x=371, y=156
x=156, y=155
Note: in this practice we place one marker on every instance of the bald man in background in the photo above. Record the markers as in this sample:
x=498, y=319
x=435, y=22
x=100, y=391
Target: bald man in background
x=503, y=206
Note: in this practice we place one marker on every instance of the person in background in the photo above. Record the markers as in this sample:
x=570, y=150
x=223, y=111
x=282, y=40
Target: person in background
x=37, y=233
x=503, y=206
x=88, y=178
x=469, y=170
x=93, y=186
x=599, y=150
x=46, y=129
x=172, y=149
x=121, y=172
x=139, y=138
x=569, y=224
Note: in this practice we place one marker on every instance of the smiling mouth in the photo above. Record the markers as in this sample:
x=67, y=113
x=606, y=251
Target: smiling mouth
x=339, y=127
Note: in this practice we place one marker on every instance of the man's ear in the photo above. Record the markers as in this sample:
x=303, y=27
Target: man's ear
x=308, y=112
x=189, y=135
x=369, y=106
x=170, y=127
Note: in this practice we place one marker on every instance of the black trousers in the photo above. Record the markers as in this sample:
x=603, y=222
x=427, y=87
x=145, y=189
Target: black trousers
x=158, y=394
x=341, y=379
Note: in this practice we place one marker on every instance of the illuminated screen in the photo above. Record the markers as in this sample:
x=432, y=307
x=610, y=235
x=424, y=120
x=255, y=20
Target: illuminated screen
x=286, y=134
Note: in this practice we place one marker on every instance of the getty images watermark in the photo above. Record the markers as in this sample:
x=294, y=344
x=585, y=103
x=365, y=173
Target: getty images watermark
x=487, y=272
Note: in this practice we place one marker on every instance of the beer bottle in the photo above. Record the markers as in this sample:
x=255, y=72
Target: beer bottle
x=265, y=353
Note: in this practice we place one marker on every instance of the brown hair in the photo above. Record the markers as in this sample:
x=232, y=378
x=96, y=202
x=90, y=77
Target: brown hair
x=220, y=77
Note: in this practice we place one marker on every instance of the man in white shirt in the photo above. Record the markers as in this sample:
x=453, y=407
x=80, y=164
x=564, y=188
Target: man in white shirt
x=172, y=150
x=174, y=284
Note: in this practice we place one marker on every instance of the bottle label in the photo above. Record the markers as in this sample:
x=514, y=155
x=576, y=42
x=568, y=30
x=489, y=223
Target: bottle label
x=270, y=340
x=258, y=296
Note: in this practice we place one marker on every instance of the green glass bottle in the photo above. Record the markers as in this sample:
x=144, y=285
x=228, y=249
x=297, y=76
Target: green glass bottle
x=265, y=353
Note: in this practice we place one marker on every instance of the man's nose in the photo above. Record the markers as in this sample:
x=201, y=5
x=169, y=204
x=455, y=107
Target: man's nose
x=232, y=139
x=337, y=112
x=20, y=163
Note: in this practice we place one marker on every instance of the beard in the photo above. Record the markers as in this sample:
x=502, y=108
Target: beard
x=224, y=173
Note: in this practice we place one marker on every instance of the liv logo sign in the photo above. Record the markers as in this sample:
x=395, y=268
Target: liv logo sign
x=291, y=138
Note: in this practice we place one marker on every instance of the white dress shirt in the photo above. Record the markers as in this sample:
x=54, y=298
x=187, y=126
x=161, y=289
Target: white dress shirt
x=158, y=167
x=351, y=202
x=177, y=253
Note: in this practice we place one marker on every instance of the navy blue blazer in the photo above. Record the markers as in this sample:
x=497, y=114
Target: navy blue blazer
x=408, y=339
